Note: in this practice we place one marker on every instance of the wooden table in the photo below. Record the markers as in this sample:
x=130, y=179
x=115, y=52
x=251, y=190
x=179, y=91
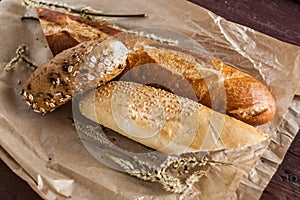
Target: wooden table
x=277, y=18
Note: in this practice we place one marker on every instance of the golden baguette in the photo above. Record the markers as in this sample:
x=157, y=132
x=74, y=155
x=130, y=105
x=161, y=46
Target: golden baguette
x=243, y=97
x=164, y=121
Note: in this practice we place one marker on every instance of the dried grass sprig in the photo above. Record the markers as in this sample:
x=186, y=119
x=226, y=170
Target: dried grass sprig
x=86, y=12
x=177, y=174
x=20, y=56
x=186, y=171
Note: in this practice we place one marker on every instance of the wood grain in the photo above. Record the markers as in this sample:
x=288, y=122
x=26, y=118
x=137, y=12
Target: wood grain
x=276, y=18
x=285, y=184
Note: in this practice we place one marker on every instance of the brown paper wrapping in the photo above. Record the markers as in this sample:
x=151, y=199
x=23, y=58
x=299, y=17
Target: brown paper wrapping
x=47, y=152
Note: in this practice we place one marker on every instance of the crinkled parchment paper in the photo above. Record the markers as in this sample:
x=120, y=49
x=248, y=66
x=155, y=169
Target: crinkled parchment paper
x=47, y=152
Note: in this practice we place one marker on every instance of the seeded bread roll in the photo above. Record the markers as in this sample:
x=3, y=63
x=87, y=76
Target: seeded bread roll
x=164, y=121
x=77, y=69
x=212, y=82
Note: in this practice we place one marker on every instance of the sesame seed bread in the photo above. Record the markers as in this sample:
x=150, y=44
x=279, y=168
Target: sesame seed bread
x=74, y=70
x=164, y=121
x=212, y=82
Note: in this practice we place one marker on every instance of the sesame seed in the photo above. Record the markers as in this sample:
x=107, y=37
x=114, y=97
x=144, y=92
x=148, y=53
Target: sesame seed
x=102, y=74
x=90, y=77
x=25, y=94
x=89, y=49
x=37, y=111
x=93, y=59
x=57, y=81
x=30, y=97
x=75, y=73
x=28, y=103
x=42, y=110
x=110, y=68
x=34, y=106
x=107, y=62
x=57, y=94
x=52, y=105
x=91, y=65
x=70, y=68
x=105, y=53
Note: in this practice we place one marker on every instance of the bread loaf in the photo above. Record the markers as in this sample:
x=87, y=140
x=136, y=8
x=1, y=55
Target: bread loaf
x=164, y=121
x=213, y=83
x=74, y=70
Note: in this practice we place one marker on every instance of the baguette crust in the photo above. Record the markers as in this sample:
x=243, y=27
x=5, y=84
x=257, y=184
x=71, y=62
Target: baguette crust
x=213, y=83
x=64, y=31
x=165, y=121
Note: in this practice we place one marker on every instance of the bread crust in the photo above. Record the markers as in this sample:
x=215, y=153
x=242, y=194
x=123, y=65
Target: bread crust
x=164, y=121
x=64, y=31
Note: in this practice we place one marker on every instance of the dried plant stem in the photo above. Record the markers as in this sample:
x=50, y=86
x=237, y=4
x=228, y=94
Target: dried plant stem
x=177, y=174
x=20, y=56
x=29, y=18
x=85, y=12
x=161, y=175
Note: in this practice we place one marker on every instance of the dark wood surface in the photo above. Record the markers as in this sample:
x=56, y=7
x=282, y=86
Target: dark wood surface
x=285, y=184
x=13, y=187
x=277, y=18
